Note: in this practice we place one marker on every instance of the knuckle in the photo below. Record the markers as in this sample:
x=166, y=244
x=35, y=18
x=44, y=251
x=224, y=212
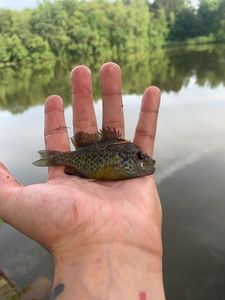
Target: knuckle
x=113, y=124
x=57, y=130
x=145, y=133
x=85, y=125
x=150, y=111
x=52, y=109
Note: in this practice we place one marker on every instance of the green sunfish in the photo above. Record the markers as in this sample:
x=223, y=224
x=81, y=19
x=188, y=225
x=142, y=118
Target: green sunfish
x=103, y=156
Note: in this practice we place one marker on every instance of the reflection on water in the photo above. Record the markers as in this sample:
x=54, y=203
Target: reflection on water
x=193, y=231
x=190, y=164
x=22, y=258
x=170, y=69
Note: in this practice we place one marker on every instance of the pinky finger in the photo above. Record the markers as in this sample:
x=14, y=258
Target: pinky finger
x=147, y=122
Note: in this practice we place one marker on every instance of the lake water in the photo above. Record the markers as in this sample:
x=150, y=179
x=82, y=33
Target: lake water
x=189, y=152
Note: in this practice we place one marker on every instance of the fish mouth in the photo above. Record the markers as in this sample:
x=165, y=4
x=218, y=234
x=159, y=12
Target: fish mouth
x=153, y=162
x=150, y=169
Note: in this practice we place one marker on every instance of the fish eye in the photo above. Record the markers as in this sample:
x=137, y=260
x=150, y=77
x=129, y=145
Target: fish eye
x=139, y=155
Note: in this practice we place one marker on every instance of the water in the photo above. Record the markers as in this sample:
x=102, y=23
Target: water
x=189, y=152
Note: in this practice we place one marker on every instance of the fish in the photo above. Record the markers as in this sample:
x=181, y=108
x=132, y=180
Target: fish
x=103, y=155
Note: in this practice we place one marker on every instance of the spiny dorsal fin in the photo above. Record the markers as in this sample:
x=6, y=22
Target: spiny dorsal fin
x=84, y=138
x=108, y=134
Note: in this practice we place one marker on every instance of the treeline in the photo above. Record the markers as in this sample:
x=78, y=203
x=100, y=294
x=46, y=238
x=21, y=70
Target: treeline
x=80, y=31
x=205, y=24
x=100, y=30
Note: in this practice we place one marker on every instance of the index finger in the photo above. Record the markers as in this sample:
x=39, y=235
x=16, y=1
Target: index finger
x=146, y=127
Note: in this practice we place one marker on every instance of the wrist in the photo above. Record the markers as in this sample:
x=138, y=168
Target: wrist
x=114, y=271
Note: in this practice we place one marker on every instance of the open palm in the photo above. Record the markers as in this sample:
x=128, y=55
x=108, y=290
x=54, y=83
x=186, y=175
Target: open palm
x=68, y=210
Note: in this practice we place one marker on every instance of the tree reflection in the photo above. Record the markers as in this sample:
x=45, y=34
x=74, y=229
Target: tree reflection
x=170, y=69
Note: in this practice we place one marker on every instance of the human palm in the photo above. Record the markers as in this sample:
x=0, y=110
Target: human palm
x=69, y=210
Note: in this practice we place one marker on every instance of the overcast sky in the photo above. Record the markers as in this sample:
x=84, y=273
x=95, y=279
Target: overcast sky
x=32, y=3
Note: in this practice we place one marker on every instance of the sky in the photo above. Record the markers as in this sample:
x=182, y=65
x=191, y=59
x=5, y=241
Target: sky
x=15, y=4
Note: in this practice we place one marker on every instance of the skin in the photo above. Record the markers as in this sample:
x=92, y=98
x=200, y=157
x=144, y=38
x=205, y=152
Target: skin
x=105, y=237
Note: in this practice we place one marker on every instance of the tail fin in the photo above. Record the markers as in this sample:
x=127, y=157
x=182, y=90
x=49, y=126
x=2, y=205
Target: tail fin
x=48, y=158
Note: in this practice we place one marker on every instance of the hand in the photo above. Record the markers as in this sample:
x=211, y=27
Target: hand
x=84, y=223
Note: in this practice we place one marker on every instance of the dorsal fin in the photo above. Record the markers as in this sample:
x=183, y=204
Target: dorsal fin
x=84, y=138
x=108, y=134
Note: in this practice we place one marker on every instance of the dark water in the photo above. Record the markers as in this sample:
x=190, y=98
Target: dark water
x=189, y=152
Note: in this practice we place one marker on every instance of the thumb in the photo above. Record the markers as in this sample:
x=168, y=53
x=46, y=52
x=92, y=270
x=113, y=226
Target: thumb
x=8, y=186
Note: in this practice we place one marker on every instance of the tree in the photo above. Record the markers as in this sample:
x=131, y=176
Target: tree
x=220, y=21
x=172, y=9
x=12, y=49
x=6, y=20
x=158, y=28
x=207, y=16
x=185, y=25
x=171, y=6
x=49, y=20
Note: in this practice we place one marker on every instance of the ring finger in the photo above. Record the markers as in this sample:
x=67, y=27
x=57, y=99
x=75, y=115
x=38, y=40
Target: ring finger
x=111, y=87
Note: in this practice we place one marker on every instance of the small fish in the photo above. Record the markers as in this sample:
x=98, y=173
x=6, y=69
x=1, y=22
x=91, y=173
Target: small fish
x=103, y=156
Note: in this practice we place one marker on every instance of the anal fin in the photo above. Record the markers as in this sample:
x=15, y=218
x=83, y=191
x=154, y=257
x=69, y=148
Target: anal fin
x=73, y=171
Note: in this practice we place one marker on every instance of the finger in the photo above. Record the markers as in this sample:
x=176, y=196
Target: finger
x=84, y=118
x=8, y=186
x=6, y=179
x=147, y=122
x=56, y=136
x=111, y=86
x=15, y=207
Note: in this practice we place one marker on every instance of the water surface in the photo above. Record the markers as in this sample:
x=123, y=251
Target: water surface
x=189, y=152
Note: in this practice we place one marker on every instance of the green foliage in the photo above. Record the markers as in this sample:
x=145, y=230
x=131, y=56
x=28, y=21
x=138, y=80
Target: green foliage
x=174, y=6
x=220, y=21
x=204, y=24
x=6, y=21
x=94, y=31
x=201, y=40
x=158, y=28
x=18, y=45
x=49, y=21
x=42, y=44
x=185, y=25
x=12, y=50
x=87, y=31
x=207, y=16
x=39, y=50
